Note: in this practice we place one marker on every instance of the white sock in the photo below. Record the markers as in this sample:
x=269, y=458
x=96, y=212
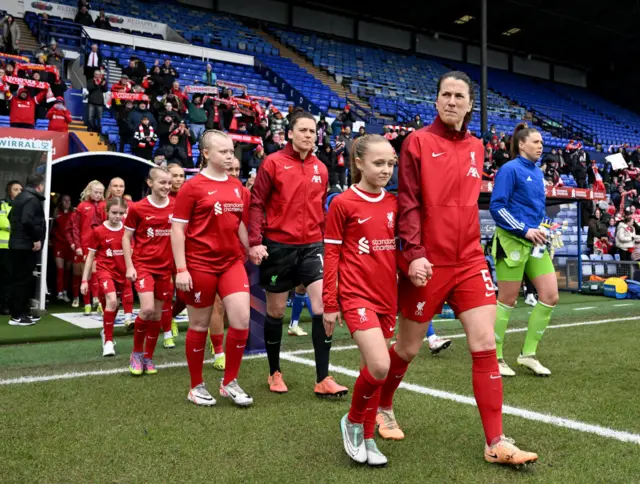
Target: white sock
x=218, y=355
x=432, y=338
x=293, y=323
x=168, y=334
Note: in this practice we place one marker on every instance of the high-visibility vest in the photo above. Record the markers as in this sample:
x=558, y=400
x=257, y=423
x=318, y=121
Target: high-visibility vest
x=5, y=225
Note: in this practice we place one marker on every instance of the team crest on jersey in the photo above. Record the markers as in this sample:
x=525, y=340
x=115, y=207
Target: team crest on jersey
x=196, y=296
x=141, y=283
x=315, y=170
x=390, y=223
x=237, y=190
x=170, y=217
x=420, y=308
x=362, y=312
x=105, y=284
x=473, y=158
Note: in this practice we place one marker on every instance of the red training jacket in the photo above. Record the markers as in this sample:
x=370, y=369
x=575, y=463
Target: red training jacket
x=59, y=120
x=24, y=110
x=88, y=219
x=287, y=199
x=439, y=180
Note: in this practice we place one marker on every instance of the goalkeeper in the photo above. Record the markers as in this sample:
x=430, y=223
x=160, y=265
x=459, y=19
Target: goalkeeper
x=521, y=246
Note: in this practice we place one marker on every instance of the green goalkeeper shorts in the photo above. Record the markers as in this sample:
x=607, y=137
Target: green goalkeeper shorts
x=534, y=267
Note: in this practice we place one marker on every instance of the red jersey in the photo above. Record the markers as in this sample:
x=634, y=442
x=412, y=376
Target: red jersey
x=60, y=223
x=59, y=120
x=439, y=179
x=107, y=244
x=72, y=231
x=151, y=227
x=291, y=194
x=88, y=218
x=360, y=252
x=213, y=211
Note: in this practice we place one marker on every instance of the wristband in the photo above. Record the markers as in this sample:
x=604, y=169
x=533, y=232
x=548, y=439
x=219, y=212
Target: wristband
x=182, y=269
x=85, y=281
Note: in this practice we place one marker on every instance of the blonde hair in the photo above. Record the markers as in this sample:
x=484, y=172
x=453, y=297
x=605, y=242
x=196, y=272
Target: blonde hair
x=154, y=171
x=86, y=193
x=107, y=193
x=359, y=149
x=205, y=143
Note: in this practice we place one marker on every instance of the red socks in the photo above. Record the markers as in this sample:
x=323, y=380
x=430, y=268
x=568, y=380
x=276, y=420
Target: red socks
x=195, y=343
x=75, y=285
x=139, y=332
x=108, y=319
x=127, y=298
x=487, y=388
x=166, y=318
x=370, y=415
x=236, y=341
x=363, y=401
x=216, y=341
x=396, y=372
x=153, y=330
x=60, y=279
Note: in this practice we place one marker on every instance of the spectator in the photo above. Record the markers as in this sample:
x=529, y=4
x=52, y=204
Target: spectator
x=277, y=122
x=23, y=108
x=397, y=141
x=197, y=115
x=169, y=74
x=59, y=117
x=257, y=157
x=611, y=235
x=597, y=228
x=327, y=156
x=323, y=130
x=209, y=77
x=186, y=137
x=28, y=228
x=145, y=139
x=55, y=57
x=489, y=167
x=625, y=237
x=122, y=85
x=153, y=84
x=167, y=122
x=10, y=35
x=134, y=118
x=346, y=117
x=417, y=122
x=13, y=189
x=262, y=130
x=488, y=136
x=580, y=173
x=339, y=171
x=225, y=111
x=93, y=62
x=136, y=70
x=635, y=156
x=601, y=246
x=501, y=155
x=275, y=144
x=552, y=175
x=96, y=87
x=83, y=17
x=178, y=94
x=102, y=22
x=347, y=138
x=361, y=132
x=5, y=94
x=174, y=153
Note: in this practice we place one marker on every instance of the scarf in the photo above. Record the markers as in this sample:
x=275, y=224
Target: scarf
x=37, y=67
x=14, y=57
x=231, y=84
x=142, y=143
x=25, y=82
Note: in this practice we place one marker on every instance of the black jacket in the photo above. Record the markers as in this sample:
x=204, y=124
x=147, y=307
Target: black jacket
x=27, y=220
x=96, y=92
x=84, y=19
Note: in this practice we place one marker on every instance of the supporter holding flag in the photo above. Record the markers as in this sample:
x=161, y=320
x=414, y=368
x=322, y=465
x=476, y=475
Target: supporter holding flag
x=360, y=282
x=59, y=117
x=149, y=267
x=442, y=259
x=63, y=254
x=286, y=226
x=23, y=108
x=105, y=249
x=209, y=242
x=12, y=190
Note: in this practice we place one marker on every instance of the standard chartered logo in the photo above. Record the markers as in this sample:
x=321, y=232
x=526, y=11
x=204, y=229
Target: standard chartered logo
x=150, y=232
x=363, y=246
x=217, y=208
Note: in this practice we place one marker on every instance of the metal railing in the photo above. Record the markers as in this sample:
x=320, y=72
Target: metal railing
x=609, y=268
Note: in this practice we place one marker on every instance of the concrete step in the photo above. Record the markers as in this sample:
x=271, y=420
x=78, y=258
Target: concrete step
x=91, y=140
x=27, y=40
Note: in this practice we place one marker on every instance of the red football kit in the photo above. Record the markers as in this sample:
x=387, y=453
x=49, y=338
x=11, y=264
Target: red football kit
x=152, y=257
x=360, y=255
x=110, y=265
x=61, y=245
x=291, y=193
x=89, y=217
x=212, y=210
x=439, y=185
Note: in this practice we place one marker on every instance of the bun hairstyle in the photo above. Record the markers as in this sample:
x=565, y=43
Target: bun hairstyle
x=359, y=149
x=521, y=133
x=116, y=201
x=460, y=76
x=205, y=142
x=298, y=114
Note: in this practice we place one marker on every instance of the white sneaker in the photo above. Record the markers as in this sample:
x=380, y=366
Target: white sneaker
x=65, y=298
x=235, y=393
x=109, y=348
x=505, y=370
x=531, y=300
x=534, y=365
x=375, y=458
x=96, y=302
x=201, y=396
x=297, y=331
x=439, y=344
x=353, y=440
x=76, y=302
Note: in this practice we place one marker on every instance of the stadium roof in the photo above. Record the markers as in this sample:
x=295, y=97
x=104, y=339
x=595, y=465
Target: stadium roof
x=581, y=33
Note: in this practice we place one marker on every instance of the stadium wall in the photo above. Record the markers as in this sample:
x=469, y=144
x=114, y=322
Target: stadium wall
x=328, y=23
x=269, y=10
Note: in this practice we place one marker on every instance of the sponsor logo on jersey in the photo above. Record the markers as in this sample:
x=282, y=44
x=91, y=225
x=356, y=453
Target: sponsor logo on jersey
x=473, y=171
x=420, y=308
x=150, y=233
x=363, y=246
x=383, y=244
x=114, y=252
x=217, y=208
x=390, y=223
x=316, y=179
x=435, y=155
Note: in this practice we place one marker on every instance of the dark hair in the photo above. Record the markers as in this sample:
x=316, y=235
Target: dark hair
x=521, y=133
x=7, y=189
x=297, y=114
x=459, y=76
x=117, y=201
x=35, y=180
x=359, y=149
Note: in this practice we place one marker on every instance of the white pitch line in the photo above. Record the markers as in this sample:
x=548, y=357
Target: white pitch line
x=619, y=305
x=506, y=409
x=584, y=309
x=182, y=364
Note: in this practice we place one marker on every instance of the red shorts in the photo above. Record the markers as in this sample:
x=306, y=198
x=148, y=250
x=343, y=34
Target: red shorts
x=206, y=285
x=161, y=285
x=63, y=251
x=463, y=288
x=108, y=285
x=363, y=318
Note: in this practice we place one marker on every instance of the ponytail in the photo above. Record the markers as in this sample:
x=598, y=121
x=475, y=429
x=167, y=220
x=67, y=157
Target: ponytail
x=359, y=149
x=521, y=133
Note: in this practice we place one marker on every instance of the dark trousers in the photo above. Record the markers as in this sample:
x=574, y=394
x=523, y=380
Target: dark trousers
x=5, y=276
x=23, y=263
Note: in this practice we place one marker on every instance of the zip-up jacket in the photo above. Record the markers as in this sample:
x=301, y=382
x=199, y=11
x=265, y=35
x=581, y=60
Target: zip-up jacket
x=439, y=177
x=5, y=225
x=88, y=217
x=28, y=223
x=287, y=199
x=72, y=230
x=519, y=196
